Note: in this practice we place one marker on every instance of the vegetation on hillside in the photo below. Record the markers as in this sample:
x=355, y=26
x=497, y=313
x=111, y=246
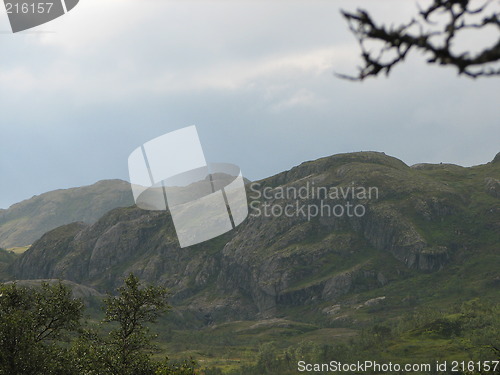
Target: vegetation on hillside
x=467, y=333
x=416, y=280
x=41, y=332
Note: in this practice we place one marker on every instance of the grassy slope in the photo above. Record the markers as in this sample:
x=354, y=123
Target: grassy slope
x=412, y=305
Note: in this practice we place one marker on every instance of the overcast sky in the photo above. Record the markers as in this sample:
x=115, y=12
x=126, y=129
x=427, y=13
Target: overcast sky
x=256, y=77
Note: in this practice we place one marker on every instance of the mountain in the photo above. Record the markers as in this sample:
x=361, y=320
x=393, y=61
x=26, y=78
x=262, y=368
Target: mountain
x=412, y=235
x=27, y=221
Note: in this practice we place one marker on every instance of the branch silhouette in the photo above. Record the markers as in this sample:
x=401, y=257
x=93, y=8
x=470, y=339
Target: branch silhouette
x=436, y=39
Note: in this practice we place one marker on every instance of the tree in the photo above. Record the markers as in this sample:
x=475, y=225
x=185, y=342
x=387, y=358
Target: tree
x=127, y=348
x=434, y=31
x=33, y=322
x=36, y=325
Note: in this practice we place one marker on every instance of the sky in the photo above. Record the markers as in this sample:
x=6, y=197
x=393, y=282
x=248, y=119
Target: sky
x=79, y=94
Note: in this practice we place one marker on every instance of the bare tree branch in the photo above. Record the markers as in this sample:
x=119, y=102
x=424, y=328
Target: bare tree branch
x=398, y=41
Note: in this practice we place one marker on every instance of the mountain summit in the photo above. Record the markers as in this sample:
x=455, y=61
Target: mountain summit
x=405, y=225
x=27, y=221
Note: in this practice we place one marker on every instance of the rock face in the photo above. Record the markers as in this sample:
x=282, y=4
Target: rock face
x=492, y=187
x=272, y=262
x=25, y=222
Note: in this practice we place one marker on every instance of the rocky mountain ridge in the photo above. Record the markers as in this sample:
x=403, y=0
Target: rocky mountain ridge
x=425, y=219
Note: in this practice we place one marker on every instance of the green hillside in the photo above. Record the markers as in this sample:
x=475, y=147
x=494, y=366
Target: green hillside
x=25, y=222
x=415, y=278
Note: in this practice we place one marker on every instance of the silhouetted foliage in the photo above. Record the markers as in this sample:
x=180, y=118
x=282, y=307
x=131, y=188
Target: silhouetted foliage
x=435, y=31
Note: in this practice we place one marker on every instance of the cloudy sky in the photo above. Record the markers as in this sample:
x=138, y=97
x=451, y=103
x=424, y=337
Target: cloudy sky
x=79, y=94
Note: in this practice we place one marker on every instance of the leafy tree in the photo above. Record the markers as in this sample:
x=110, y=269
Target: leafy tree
x=434, y=31
x=32, y=324
x=127, y=348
